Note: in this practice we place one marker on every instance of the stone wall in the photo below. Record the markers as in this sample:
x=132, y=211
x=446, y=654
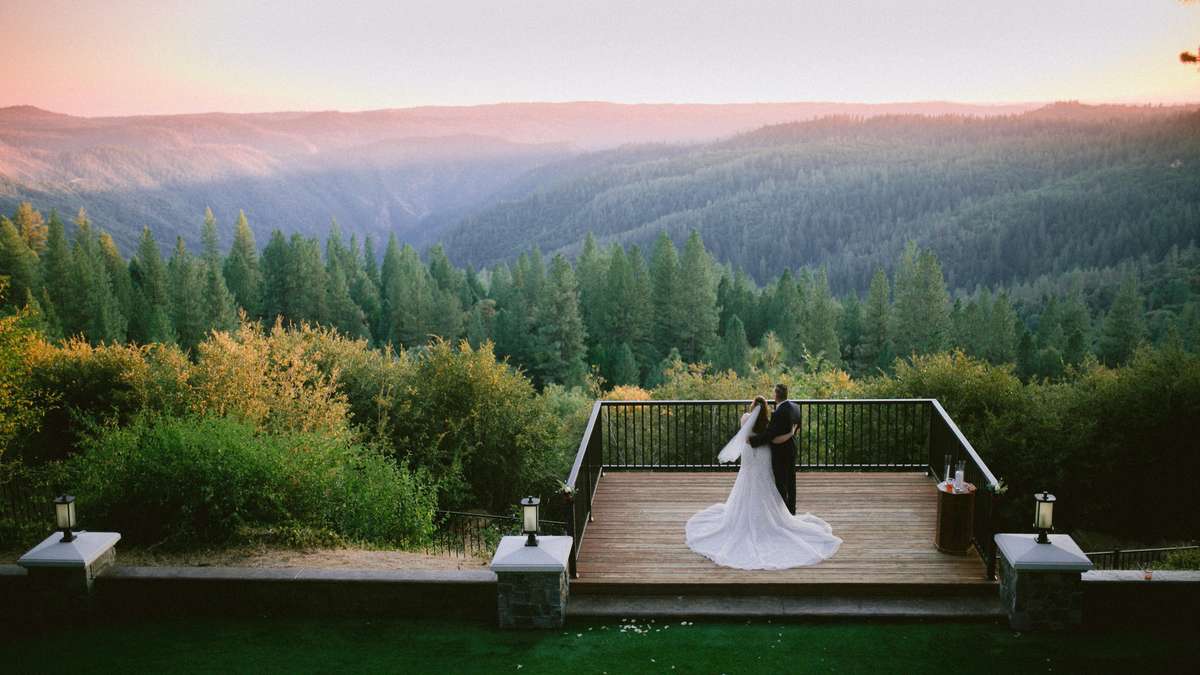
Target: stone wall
x=181, y=591
x=537, y=599
x=1126, y=598
x=1040, y=599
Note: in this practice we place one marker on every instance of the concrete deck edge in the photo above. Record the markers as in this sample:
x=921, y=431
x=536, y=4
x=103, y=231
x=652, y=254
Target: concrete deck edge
x=769, y=606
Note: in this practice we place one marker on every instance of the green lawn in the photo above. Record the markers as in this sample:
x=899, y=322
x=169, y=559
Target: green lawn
x=443, y=647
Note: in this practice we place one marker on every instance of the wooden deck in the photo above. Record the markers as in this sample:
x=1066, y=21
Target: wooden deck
x=636, y=543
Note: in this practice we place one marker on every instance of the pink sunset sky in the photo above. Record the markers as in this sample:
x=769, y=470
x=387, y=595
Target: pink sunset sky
x=166, y=56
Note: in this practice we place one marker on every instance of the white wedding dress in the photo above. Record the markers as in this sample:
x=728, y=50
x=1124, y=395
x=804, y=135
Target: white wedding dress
x=752, y=529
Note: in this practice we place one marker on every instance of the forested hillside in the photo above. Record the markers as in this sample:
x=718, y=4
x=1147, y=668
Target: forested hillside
x=999, y=200
x=408, y=171
x=629, y=313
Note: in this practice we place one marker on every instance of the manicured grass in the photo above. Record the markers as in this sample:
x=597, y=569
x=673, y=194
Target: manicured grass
x=445, y=648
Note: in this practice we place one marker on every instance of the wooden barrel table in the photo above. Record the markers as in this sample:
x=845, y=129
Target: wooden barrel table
x=955, y=515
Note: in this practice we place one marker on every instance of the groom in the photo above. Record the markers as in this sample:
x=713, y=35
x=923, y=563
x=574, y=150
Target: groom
x=779, y=433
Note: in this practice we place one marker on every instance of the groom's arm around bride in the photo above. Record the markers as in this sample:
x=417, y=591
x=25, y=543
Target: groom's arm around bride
x=783, y=454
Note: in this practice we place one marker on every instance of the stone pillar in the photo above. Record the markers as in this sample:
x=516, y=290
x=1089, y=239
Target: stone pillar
x=1041, y=585
x=531, y=582
x=61, y=573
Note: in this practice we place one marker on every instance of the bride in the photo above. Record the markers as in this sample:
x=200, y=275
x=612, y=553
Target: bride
x=752, y=529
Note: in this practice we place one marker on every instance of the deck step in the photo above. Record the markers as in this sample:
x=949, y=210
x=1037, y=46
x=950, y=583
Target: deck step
x=831, y=606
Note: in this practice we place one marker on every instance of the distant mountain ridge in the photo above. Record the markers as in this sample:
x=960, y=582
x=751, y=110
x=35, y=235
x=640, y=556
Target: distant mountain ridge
x=411, y=171
x=1000, y=199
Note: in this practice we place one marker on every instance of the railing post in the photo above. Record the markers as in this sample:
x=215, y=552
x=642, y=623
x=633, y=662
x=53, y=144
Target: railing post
x=1116, y=559
x=569, y=517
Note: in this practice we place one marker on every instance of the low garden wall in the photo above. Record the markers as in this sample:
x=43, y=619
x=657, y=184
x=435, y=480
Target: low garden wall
x=161, y=591
x=1126, y=597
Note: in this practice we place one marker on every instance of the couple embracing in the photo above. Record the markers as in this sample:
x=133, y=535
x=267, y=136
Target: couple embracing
x=757, y=526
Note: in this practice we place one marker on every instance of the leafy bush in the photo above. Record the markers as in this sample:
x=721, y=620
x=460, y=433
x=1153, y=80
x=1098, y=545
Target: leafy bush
x=18, y=411
x=1180, y=560
x=207, y=480
x=267, y=380
x=1117, y=446
x=477, y=425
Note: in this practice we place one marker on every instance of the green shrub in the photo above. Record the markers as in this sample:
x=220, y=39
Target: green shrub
x=477, y=425
x=1180, y=560
x=189, y=481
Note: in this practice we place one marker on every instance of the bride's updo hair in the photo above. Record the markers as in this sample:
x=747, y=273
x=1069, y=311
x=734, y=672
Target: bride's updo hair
x=760, y=425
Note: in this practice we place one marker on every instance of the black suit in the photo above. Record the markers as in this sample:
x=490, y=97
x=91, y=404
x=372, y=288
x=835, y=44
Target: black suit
x=783, y=455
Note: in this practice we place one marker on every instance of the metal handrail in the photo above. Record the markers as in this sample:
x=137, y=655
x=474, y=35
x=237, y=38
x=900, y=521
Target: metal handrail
x=1112, y=560
x=966, y=445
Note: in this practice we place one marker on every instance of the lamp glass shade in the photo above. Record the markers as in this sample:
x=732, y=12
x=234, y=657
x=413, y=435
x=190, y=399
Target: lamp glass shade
x=64, y=512
x=1043, y=516
x=529, y=512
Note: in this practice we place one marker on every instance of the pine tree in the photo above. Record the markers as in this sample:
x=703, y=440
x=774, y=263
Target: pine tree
x=56, y=265
x=18, y=263
x=366, y=295
x=118, y=275
x=1002, y=331
x=1026, y=354
x=188, y=308
x=371, y=262
x=640, y=312
x=1124, y=325
x=624, y=311
x=344, y=313
x=410, y=295
x=32, y=227
x=625, y=367
x=785, y=313
x=733, y=351
x=92, y=308
x=851, y=329
x=1076, y=322
x=922, y=316
x=666, y=292
x=242, y=275
x=480, y=322
x=308, y=281
x=389, y=271
x=822, y=321
x=220, y=307
x=591, y=271
x=560, y=351
x=151, y=319
x=697, y=300
x=277, y=280
x=877, y=323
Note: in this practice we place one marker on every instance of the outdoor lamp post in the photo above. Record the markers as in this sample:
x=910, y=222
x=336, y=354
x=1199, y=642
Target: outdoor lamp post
x=1043, y=515
x=529, y=511
x=64, y=516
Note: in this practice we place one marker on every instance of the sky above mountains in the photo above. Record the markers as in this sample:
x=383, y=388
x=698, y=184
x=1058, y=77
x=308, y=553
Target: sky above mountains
x=120, y=57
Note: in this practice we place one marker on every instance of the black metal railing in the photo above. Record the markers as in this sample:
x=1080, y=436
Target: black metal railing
x=1134, y=558
x=582, y=481
x=476, y=535
x=833, y=435
x=25, y=508
x=945, y=439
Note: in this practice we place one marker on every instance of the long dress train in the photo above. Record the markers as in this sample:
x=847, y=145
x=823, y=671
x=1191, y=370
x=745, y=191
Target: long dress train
x=752, y=529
